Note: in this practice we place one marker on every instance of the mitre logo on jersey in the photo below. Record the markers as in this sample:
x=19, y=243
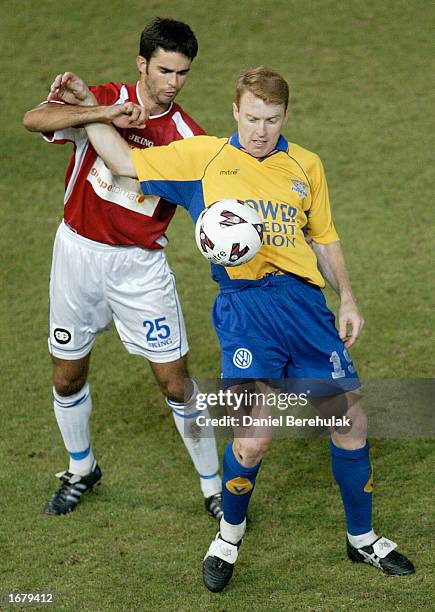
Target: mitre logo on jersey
x=229, y=172
x=300, y=187
x=120, y=190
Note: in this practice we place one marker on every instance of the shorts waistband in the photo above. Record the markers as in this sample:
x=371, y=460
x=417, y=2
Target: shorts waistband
x=70, y=234
x=267, y=281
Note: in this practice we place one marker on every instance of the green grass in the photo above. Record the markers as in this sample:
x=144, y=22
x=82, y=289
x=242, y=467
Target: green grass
x=359, y=74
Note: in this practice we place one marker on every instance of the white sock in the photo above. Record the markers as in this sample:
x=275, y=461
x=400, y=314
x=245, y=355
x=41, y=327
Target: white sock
x=199, y=442
x=72, y=415
x=232, y=533
x=365, y=539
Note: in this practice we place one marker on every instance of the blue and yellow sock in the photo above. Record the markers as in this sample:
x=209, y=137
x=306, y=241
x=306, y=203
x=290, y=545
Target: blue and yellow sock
x=238, y=483
x=353, y=473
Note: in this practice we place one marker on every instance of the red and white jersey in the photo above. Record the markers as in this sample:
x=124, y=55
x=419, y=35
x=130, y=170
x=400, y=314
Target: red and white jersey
x=112, y=209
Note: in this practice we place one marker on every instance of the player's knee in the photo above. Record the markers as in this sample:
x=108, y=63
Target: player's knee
x=178, y=388
x=173, y=380
x=174, y=390
x=250, y=451
x=359, y=424
x=355, y=436
x=68, y=383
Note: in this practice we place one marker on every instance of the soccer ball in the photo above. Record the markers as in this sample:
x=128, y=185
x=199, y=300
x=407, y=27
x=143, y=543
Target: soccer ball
x=229, y=233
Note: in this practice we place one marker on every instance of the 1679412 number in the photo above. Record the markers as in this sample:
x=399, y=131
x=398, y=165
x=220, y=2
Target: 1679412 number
x=28, y=598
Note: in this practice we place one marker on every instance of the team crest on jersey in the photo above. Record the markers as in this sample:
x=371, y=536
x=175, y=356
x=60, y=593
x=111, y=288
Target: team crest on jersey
x=300, y=187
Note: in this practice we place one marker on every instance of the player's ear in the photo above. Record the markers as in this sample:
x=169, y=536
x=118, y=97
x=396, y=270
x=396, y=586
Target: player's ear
x=141, y=64
x=235, y=112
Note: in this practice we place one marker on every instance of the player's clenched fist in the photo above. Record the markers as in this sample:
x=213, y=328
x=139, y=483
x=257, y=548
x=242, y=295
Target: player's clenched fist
x=127, y=115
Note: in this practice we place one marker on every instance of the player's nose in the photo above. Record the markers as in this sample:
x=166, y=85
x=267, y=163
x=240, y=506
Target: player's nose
x=173, y=80
x=261, y=128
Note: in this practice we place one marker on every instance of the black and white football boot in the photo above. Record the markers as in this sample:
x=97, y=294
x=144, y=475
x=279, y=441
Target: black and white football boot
x=218, y=564
x=71, y=490
x=381, y=554
x=213, y=505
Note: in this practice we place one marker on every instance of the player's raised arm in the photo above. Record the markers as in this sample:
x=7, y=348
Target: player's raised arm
x=109, y=145
x=332, y=265
x=52, y=116
x=69, y=103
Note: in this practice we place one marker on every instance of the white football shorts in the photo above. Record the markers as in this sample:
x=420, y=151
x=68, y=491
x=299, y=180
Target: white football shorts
x=93, y=284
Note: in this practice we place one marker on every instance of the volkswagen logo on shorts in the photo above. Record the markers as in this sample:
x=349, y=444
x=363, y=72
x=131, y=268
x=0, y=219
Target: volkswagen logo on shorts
x=242, y=358
x=61, y=335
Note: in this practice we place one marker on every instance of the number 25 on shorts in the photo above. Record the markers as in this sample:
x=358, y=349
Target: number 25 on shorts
x=156, y=329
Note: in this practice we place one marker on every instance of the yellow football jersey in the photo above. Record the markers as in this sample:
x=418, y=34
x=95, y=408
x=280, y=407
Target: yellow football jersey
x=288, y=189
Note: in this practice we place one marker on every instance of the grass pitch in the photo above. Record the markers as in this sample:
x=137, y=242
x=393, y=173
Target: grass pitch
x=359, y=74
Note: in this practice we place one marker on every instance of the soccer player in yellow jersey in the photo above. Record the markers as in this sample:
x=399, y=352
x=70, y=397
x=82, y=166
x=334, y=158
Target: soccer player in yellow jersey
x=270, y=316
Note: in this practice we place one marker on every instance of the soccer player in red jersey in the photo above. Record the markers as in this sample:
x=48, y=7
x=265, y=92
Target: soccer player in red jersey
x=109, y=262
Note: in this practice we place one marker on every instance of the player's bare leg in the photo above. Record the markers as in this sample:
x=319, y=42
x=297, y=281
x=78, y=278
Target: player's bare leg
x=73, y=407
x=173, y=379
x=70, y=376
x=180, y=392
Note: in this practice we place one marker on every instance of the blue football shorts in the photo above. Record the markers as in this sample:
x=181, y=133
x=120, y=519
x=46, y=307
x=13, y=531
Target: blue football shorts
x=280, y=328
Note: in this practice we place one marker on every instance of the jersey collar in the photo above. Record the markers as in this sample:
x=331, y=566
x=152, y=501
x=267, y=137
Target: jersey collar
x=281, y=145
x=141, y=103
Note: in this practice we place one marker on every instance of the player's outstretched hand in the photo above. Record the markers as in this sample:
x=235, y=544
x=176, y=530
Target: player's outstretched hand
x=350, y=322
x=71, y=89
x=127, y=115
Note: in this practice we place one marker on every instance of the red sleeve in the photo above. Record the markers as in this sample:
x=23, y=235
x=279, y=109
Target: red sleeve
x=106, y=94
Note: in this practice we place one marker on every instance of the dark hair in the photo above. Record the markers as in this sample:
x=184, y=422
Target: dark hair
x=170, y=35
